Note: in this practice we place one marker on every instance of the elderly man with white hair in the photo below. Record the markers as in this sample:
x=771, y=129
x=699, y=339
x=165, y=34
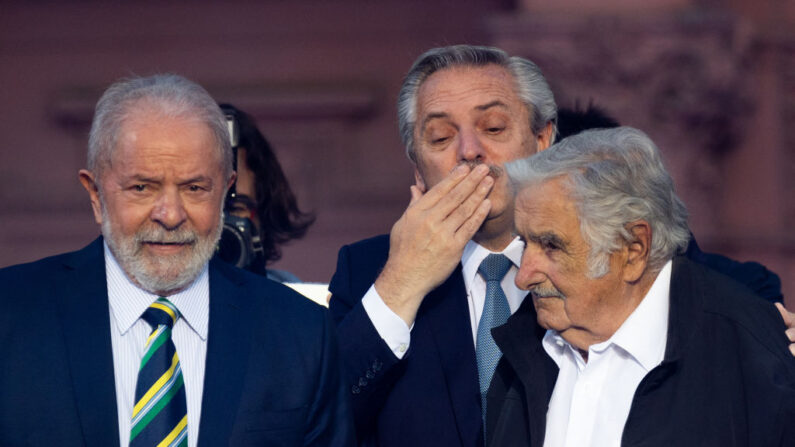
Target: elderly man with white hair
x=642, y=346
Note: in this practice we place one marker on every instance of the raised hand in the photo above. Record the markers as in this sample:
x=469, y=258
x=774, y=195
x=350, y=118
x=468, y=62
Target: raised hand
x=427, y=242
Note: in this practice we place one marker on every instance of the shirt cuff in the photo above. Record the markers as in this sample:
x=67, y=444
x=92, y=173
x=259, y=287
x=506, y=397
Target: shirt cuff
x=392, y=329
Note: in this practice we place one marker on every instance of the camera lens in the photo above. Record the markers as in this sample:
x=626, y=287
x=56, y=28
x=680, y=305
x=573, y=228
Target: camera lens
x=232, y=246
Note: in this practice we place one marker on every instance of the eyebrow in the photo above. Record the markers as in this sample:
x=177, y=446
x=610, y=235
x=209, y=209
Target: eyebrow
x=143, y=178
x=431, y=116
x=482, y=107
x=546, y=238
x=198, y=179
x=495, y=103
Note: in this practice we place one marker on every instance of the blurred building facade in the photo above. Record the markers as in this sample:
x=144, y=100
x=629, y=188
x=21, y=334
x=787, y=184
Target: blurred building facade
x=711, y=81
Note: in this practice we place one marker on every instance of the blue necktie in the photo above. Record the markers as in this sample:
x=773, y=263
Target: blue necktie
x=160, y=415
x=495, y=312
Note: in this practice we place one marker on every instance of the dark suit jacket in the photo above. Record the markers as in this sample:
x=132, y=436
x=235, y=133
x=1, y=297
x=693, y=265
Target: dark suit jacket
x=727, y=377
x=272, y=374
x=753, y=275
x=431, y=396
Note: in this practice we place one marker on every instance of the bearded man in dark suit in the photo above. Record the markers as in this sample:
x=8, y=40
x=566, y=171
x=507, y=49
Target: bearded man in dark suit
x=245, y=361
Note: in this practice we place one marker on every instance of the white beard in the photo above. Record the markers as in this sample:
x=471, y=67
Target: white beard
x=161, y=274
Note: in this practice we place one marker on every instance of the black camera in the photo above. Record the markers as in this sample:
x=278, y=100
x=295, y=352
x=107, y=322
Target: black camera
x=240, y=244
x=240, y=241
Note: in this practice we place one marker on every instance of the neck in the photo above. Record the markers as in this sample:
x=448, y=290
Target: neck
x=495, y=243
x=495, y=234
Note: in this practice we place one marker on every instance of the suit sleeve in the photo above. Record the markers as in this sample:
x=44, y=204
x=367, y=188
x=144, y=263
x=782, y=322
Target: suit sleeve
x=369, y=366
x=330, y=421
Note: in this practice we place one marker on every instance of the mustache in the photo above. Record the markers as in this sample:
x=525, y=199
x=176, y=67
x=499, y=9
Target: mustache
x=494, y=171
x=549, y=291
x=160, y=235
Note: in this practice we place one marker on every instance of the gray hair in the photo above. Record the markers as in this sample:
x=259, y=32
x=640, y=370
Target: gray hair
x=616, y=176
x=531, y=86
x=168, y=94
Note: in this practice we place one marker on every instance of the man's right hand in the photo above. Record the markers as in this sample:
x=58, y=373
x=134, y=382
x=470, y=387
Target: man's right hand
x=427, y=242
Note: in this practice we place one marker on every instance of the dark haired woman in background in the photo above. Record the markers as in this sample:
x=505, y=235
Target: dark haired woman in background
x=263, y=197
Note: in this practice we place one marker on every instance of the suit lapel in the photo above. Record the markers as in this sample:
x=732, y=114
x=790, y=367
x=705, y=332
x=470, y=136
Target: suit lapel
x=447, y=315
x=520, y=342
x=85, y=316
x=228, y=342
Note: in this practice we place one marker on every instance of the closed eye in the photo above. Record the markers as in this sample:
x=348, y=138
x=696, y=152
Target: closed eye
x=548, y=242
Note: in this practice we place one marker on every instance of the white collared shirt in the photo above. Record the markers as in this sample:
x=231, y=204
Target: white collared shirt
x=591, y=401
x=129, y=333
x=397, y=335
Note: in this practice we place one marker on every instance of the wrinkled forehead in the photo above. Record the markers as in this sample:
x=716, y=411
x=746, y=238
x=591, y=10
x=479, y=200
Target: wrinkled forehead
x=544, y=204
x=466, y=85
x=145, y=138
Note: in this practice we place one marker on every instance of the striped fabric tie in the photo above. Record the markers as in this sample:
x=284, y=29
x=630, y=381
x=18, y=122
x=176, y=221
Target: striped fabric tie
x=160, y=415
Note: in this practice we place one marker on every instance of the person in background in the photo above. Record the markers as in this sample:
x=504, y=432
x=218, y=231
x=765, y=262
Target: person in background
x=410, y=305
x=572, y=121
x=753, y=275
x=262, y=213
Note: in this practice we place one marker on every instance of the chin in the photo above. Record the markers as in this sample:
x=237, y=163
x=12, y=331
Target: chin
x=550, y=313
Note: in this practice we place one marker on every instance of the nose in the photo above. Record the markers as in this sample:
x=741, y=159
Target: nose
x=469, y=146
x=169, y=210
x=531, y=269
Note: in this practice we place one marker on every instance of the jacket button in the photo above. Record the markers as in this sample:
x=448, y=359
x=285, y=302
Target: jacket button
x=362, y=381
x=377, y=365
x=369, y=374
x=355, y=389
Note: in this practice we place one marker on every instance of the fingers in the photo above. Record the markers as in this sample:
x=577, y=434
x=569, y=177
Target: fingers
x=789, y=318
x=440, y=190
x=468, y=229
x=445, y=196
x=464, y=211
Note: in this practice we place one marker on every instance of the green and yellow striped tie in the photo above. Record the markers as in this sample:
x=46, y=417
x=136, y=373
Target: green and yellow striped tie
x=160, y=415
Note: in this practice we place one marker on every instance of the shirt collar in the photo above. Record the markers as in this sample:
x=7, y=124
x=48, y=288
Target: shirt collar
x=644, y=333
x=128, y=302
x=555, y=346
x=475, y=253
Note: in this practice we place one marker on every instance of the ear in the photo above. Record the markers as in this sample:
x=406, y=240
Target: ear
x=418, y=180
x=637, y=250
x=230, y=182
x=90, y=184
x=544, y=138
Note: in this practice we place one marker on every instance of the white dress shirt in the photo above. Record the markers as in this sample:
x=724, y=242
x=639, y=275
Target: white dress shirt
x=397, y=335
x=128, y=334
x=591, y=401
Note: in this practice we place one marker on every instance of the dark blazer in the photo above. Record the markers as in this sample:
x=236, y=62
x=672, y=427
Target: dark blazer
x=753, y=275
x=431, y=396
x=727, y=377
x=272, y=374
